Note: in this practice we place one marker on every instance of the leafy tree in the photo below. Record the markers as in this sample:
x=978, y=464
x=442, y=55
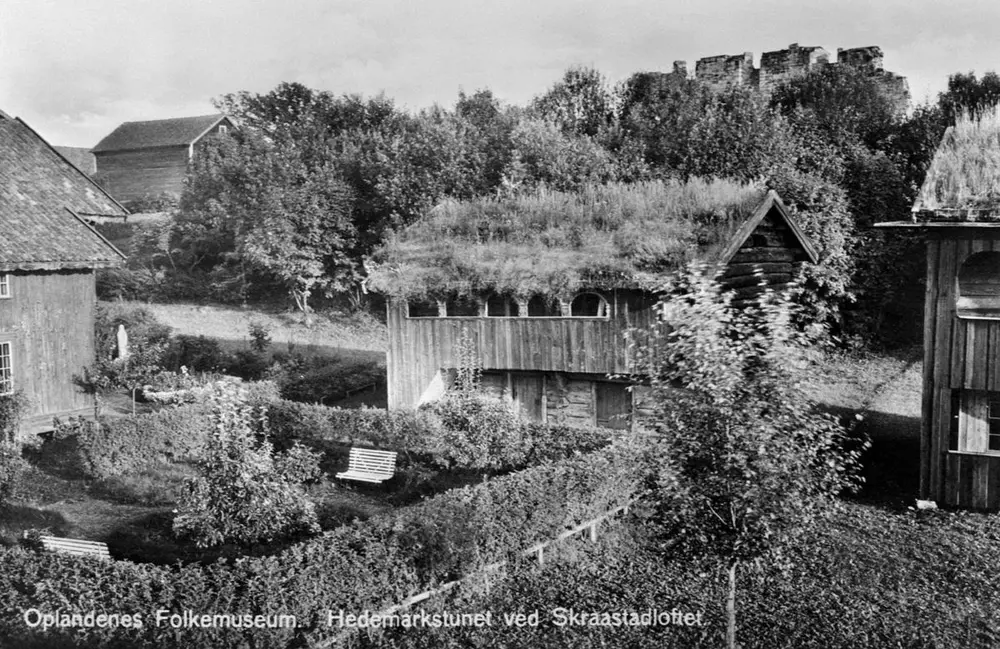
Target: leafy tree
x=744, y=461
x=847, y=103
x=245, y=494
x=256, y=203
x=543, y=155
x=968, y=94
x=580, y=103
x=490, y=125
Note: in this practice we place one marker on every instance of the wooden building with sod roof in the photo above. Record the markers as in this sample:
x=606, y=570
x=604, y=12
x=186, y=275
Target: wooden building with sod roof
x=140, y=160
x=545, y=286
x=48, y=257
x=958, y=210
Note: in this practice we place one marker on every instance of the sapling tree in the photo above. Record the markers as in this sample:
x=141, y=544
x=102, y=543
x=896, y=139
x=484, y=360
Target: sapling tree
x=743, y=460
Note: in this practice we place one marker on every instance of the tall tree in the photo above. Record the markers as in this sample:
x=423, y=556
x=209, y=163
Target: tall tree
x=254, y=202
x=745, y=462
x=968, y=94
x=580, y=103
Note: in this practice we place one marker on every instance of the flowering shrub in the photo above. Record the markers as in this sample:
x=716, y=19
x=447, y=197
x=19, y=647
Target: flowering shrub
x=244, y=495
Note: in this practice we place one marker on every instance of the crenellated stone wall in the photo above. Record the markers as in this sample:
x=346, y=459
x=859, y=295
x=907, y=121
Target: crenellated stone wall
x=776, y=67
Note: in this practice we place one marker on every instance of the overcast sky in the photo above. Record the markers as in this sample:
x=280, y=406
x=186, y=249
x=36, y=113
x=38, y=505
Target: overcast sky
x=75, y=69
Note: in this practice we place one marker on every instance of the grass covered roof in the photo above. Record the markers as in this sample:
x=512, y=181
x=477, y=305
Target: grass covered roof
x=963, y=180
x=557, y=243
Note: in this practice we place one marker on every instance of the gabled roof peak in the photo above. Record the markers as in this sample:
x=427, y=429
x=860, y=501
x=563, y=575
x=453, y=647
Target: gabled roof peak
x=176, y=131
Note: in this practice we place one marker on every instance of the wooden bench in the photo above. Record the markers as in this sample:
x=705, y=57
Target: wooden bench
x=369, y=465
x=75, y=546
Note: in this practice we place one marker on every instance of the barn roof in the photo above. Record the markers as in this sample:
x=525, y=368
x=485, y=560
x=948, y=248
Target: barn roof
x=962, y=184
x=42, y=200
x=177, y=131
x=556, y=243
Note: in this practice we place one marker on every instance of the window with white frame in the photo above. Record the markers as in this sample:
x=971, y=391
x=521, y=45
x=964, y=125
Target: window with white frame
x=6, y=369
x=4, y=285
x=976, y=423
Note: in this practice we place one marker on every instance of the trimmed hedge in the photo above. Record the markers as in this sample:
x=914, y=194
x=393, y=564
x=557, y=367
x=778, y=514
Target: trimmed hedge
x=368, y=565
x=119, y=446
x=114, y=447
x=422, y=432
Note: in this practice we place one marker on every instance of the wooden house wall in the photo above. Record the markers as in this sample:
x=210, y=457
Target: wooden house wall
x=49, y=319
x=130, y=175
x=959, y=354
x=420, y=347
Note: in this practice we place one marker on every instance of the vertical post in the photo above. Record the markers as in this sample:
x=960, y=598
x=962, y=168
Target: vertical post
x=541, y=559
x=593, y=532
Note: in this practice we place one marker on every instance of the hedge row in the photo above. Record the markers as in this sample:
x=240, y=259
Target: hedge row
x=368, y=565
x=119, y=446
x=421, y=432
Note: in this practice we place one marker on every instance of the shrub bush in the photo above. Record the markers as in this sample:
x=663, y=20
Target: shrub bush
x=322, y=379
x=322, y=426
x=244, y=496
x=120, y=446
x=197, y=353
x=425, y=432
x=481, y=432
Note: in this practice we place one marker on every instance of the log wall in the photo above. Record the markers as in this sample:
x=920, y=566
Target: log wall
x=774, y=250
x=49, y=319
x=959, y=354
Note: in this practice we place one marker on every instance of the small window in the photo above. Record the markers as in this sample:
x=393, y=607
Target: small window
x=499, y=306
x=979, y=287
x=4, y=286
x=541, y=307
x=6, y=369
x=422, y=309
x=223, y=129
x=462, y=307
x=976, y=421
x=589, y=305
x=993, y=418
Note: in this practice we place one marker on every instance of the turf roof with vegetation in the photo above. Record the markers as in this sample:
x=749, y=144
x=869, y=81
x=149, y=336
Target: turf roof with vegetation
x=557, y=243
x=963, y=180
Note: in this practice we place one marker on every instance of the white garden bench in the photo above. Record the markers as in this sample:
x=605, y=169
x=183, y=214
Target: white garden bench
x=369, y=465
x=75, y=546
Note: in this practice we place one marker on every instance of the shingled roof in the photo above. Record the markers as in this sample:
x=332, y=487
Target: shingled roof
x=156, y=133
x=42, y=197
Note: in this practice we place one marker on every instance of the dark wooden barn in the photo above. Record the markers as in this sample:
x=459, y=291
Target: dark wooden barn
x=143, y=160
x=48, y=257
x=547, y=317
x=958, y=210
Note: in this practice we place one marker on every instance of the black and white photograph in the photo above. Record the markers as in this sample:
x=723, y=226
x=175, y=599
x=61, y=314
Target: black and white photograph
x=373, y=324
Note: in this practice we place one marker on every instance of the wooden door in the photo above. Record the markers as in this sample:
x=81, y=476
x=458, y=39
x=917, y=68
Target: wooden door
x=613, y=405
x=528, y=393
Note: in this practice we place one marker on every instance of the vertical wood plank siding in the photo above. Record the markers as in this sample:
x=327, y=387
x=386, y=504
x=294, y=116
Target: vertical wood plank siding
x=49, y=319
x=420, y=347
x=130, y=175
x=959, y=354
